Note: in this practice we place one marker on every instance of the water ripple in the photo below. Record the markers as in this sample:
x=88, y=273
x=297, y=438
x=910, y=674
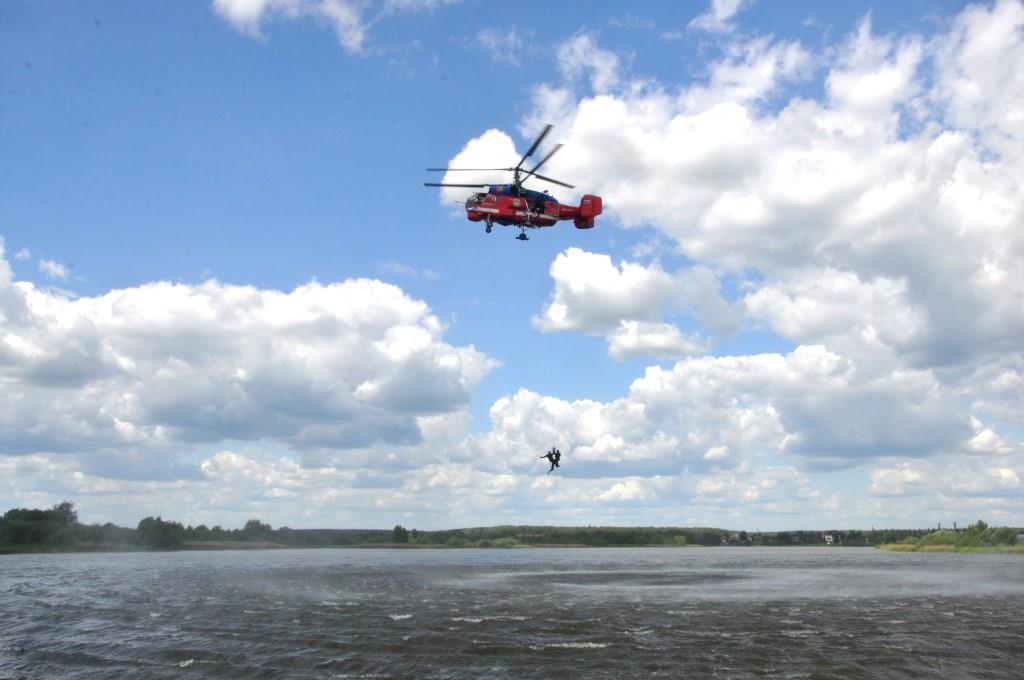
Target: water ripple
x=727, y=613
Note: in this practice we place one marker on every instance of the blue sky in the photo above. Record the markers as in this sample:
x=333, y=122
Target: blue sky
x=225, y=293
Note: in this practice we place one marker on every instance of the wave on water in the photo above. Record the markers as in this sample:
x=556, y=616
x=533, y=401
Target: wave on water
x=498, y=617
x=412, y=614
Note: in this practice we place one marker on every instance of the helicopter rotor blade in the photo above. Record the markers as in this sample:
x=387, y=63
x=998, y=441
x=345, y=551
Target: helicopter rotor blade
x=536, y=143
x=544, y=160
x=553, y=181
x=468, y=169
x=467, y=186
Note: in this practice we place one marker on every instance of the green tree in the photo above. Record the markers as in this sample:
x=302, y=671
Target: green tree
x=940, y=537
x=201, y=533
x=153, y=532
x=977, y=534
x=1004, y=536
x=400, y=534
x=256, y=530
x=64, y=513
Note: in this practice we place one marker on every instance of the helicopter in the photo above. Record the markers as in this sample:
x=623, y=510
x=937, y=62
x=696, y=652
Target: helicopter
x=512, y=205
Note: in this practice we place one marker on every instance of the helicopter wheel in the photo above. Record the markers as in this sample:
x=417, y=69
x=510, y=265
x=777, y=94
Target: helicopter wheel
x=523, y=237
x=487, y=229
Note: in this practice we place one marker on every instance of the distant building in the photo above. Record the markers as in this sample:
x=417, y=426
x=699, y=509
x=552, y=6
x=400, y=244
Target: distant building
x=829, y=539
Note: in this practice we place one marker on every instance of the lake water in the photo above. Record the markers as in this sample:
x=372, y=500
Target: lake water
x=525, y=613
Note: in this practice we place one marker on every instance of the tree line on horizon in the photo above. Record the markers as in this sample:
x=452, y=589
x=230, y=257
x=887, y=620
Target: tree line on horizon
x=57, y=529
x=977, y=535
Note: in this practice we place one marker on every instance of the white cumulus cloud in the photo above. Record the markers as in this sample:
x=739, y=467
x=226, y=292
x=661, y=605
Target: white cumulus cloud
x=54, y=270
x=626, y=303
x=351, y=20
x=879, y=221
x=502, y=45
x=346, y=17
x=899, y=481
x=334, y=368
x=581, y=55
x=717, y=17
x=492, y=149
x=592, y=294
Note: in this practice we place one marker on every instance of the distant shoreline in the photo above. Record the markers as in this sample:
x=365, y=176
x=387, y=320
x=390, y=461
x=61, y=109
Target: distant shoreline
x=57, y=530
x=242, y=546
x=216, y=546
x=904, y=548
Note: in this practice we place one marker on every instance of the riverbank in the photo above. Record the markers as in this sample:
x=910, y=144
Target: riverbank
x=57, y=529
x=198, y=546
x=945, y=548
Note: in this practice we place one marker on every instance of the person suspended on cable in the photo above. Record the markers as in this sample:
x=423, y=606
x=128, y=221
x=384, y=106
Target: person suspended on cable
x=554, y=455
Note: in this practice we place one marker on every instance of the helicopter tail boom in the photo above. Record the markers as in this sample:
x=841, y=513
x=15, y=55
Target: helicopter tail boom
x=583, y=215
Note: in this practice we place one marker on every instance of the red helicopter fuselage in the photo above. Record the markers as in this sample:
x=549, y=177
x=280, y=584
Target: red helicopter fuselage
x=513, y=206
x=527, y=208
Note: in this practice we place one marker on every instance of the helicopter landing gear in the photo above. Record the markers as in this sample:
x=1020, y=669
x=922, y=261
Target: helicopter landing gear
x=523, y=237
x=487, y=229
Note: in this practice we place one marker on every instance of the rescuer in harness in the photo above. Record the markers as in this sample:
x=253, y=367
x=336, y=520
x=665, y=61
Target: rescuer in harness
x=554, y=455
